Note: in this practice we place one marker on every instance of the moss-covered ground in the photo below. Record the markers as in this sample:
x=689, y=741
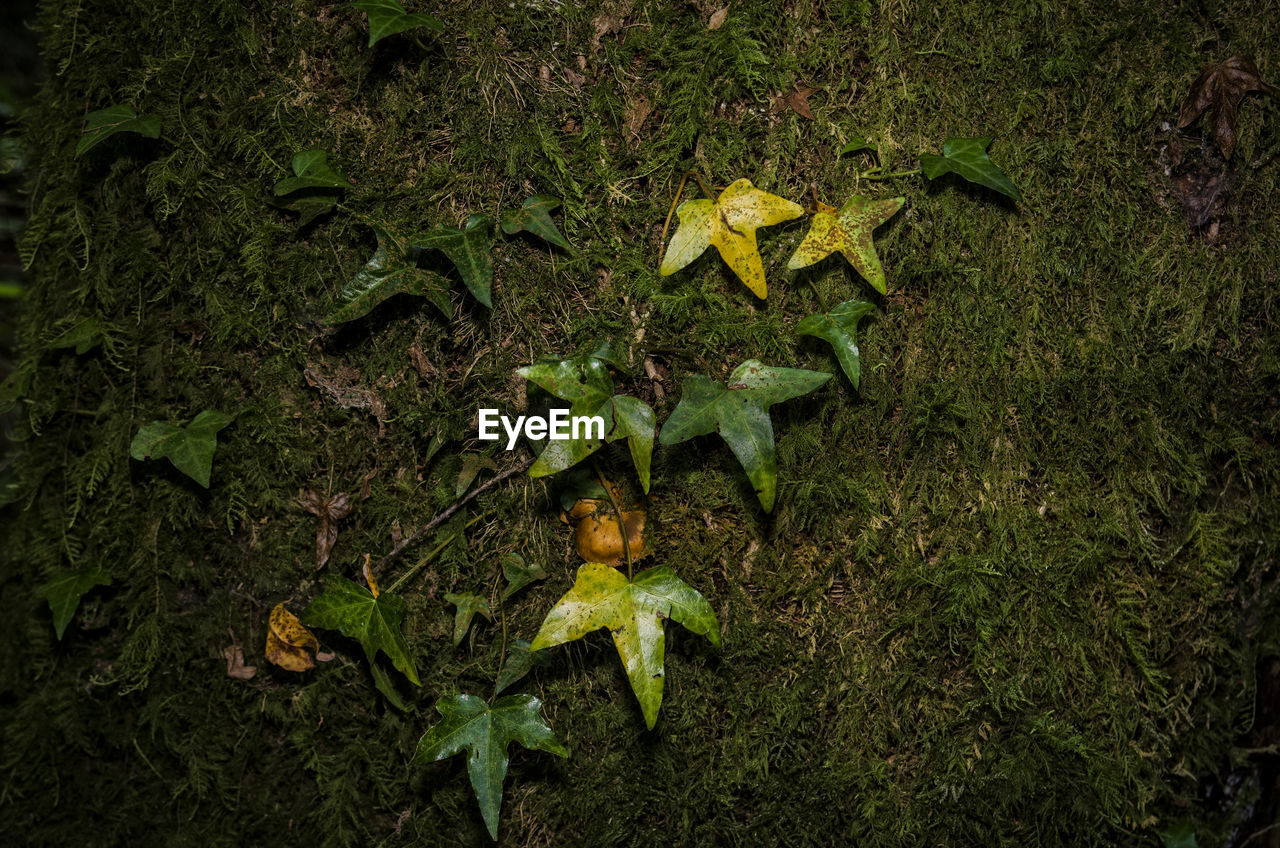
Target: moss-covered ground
x=1014, y=591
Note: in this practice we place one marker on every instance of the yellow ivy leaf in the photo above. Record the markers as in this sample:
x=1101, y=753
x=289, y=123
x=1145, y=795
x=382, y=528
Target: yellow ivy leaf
x=729, y=222
x=848, y=231
x=288, y=641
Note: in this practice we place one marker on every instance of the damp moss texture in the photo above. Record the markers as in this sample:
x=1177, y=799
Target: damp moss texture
x=1014, y=590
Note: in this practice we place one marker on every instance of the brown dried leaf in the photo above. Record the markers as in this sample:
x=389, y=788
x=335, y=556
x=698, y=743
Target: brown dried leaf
x=343, y=386
x=1219, y=89
x=718, y=18
x=797, y=101
x=636, y=113
x=330, y=509
x=236, y=668
x=370, y=579
x=288, y=642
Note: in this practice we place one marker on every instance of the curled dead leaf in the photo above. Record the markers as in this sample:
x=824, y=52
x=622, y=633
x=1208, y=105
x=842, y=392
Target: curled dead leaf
x=718, y=18
x=289, y=644
x=370, y=579
x=236, y=668
x=1219, y=89
x=330, y=509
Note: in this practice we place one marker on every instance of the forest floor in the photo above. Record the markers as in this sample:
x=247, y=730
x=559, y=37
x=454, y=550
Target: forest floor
x=1017, y=587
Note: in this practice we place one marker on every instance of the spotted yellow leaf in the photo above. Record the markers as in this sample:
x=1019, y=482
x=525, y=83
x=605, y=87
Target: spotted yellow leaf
x=848, y=230
x=729, y=222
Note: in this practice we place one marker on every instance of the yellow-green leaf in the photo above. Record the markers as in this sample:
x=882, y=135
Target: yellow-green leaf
x=848, y=231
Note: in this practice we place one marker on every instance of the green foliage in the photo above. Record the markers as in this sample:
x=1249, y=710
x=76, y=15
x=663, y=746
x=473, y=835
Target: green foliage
x=519, y=661
x=967, y=158
x=311, y=172
x=65, y=591
x=388, y=17
x=190, y=448
x=519, y=573
x=634, y=612
x=486, y=732
x=855, y=144
x=584, y=381
x=84, y=336
x=104, y=123
x=850, y=231
x=739, y=412
x=373, y=620
x=468, y=249
x=534, y=217
x=839, y=327
x=389, y=272
x=468, y=605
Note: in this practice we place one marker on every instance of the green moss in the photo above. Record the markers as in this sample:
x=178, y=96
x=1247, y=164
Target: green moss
x=1012, y=593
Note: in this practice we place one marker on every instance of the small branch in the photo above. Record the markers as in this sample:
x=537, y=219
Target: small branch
x=431, y=554
x=451, y=511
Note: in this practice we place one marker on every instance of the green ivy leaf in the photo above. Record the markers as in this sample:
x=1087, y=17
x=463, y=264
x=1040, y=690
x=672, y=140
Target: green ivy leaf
x=485, y=732
x=840, y=328
x=388, y=17
x=968, y=158
x=388, y=273
x=519, y=573
x=740, y=412
x=855, y=144
x=468, y=606
x=472, y=465
x=312, y=171
x=101, y=125
x=634, y=612
x=519, y=662
x=585, y=383
x=534, y=216
x=469, y=250
x=189, y=448
x=84, y=336
x=65, y=591
x=374, y=620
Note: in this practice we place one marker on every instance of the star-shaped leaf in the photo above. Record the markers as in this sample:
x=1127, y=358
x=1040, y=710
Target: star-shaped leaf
x=1220, y=88
x=311, y=171
x=729, y=222
x=519, y=573
x=740, y=412
x=468, y=606
x=104, y=123
x=65, y=591
x=855, y=144
x=584, y=381
x=485, y=732
x=84, y=336
x=840, y=328
x=469, y=250
x=534, y=216
x=848, y=231
x=634, y=611
x=519, y=662
x=389, y=272
x=388, y=17
x=375, y=621
x=968, y=158
x=189, y=448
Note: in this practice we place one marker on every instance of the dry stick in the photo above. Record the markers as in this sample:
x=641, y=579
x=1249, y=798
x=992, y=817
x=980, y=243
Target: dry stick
x=622, y=523
x=431, y=554
x=451, y=511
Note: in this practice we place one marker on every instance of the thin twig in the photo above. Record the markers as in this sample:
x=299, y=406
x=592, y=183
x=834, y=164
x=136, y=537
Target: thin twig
x=622, y=523
x=451, y=511
x=870, y=176
x=431, y=554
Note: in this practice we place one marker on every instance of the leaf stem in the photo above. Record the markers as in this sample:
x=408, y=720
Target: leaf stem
x=666, y=225
x=871, y=175
x=431, y=554
x=622, y=523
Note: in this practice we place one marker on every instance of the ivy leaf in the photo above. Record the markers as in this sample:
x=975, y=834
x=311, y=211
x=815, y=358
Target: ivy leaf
x=472, y=465
x=388, y=17
x=729, y=222
x=520, y=661
x=189, y=448
x=855, y=144
x=533, y=216
x=312, y=171
x=468, y=606
x=519, y=574
x=469, y=251
x=968, y=158
x=1220, y=88
x=840, y=328
x=101, y=125
x=584, y=381
x=388, y=273
x=485, y=732
x=740, y=412
x=850, y=232
x=634, y=611
x=65, y=591
x=375, y=621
